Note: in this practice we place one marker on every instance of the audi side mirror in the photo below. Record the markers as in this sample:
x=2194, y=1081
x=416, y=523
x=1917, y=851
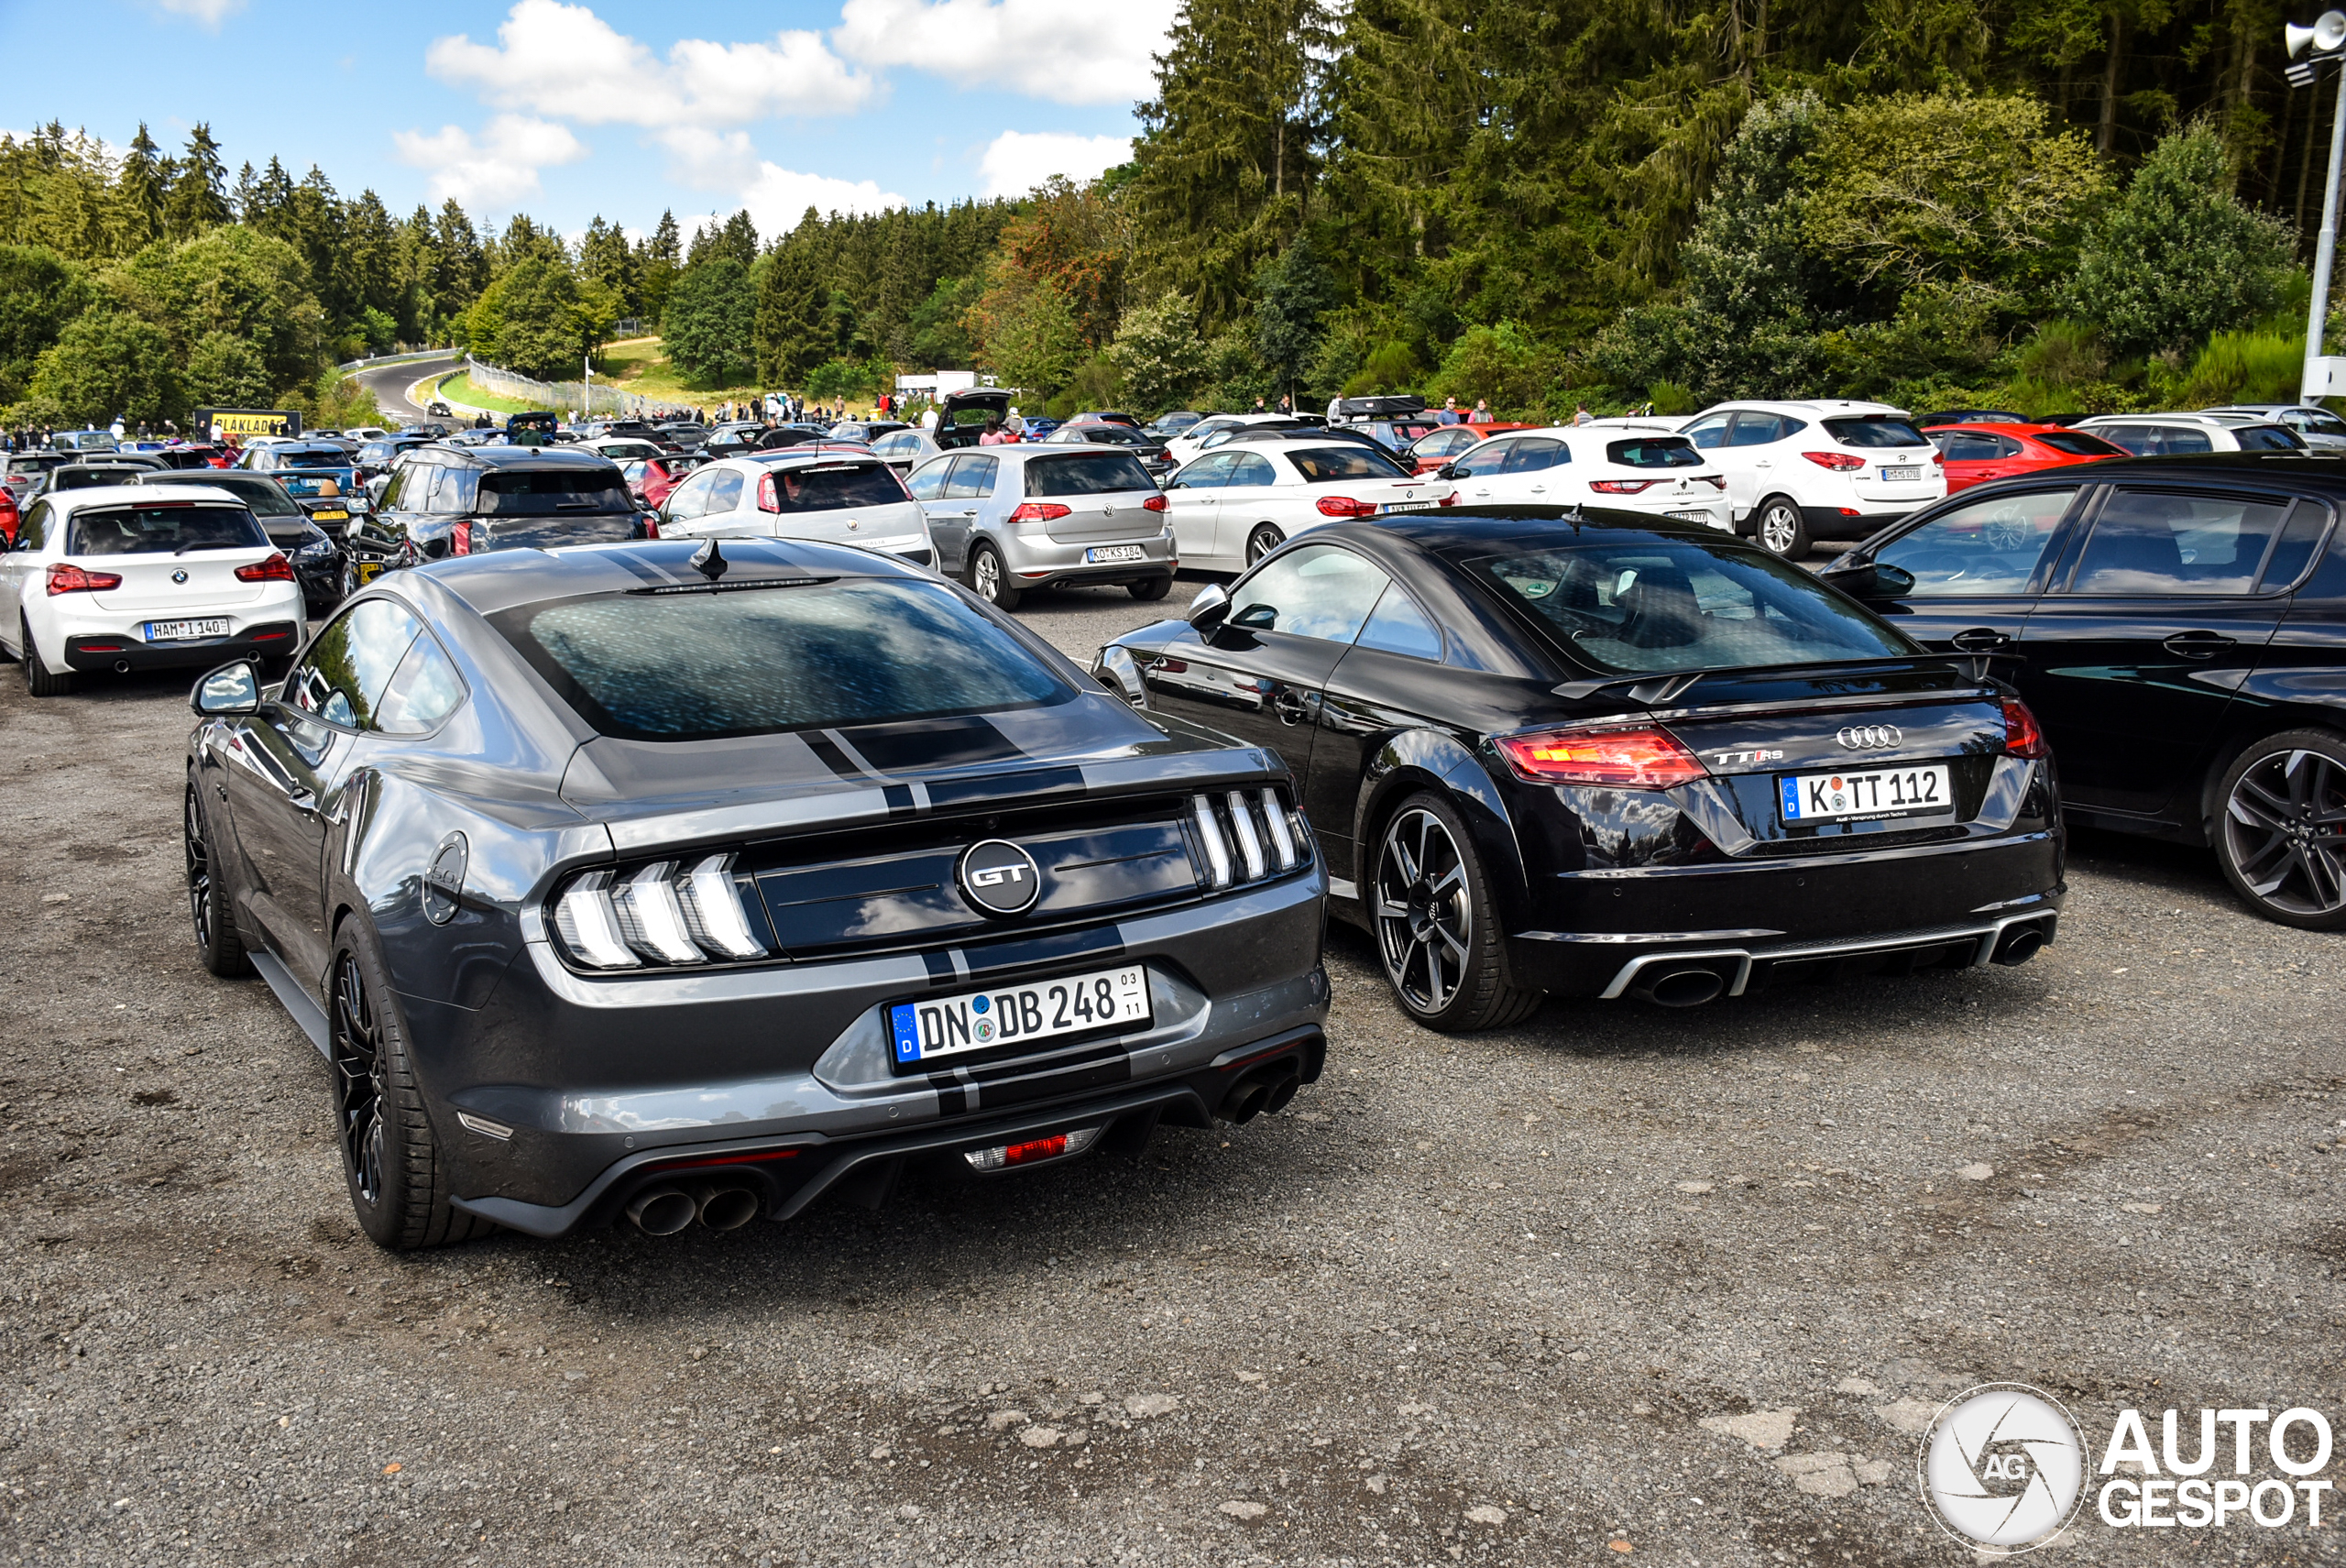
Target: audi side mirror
x=227, y=691
x=1207, y=610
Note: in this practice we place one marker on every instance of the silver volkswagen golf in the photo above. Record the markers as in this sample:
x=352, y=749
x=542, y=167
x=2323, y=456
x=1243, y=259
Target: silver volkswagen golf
x=1008, y=519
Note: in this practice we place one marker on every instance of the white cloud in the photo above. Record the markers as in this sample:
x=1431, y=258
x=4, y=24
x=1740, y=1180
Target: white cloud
x=778, y=198
x=206, y=13
x=1070, y=52
x=1017, y=161
x=554, y=59
x=495, y=170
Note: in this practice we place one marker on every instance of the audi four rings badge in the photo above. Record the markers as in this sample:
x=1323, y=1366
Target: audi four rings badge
x=1869, y=737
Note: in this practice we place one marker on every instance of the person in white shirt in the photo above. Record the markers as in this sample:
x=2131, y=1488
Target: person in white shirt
x=928, y=416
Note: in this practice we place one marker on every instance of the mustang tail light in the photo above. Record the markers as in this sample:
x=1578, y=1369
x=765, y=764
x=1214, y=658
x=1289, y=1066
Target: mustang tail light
x=1345, y=506
x=668, y=913
x=1622, y=486
x=1623, y=759
x=1248, y=835
x=67, y=579
x=276, y=569
x=2023, y=736
x=1038, y=511
x=1839, y=462
x=1154, y=503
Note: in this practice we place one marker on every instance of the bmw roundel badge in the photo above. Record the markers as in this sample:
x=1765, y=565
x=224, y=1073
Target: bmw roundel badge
x=1000, y=878
x=179, y=576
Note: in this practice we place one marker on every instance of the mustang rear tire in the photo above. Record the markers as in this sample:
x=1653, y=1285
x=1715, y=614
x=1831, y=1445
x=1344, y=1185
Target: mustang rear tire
x=39, y=679
x=2280, y=829
x=209, y=901
x=1437, y=927
x=390, y=1159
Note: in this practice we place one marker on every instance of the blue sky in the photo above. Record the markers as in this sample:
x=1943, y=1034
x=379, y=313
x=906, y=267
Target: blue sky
x=565, y=110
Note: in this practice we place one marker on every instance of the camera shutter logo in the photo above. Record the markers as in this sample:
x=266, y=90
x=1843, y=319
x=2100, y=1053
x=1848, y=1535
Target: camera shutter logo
x=1000, y=878
x=2003, y=1468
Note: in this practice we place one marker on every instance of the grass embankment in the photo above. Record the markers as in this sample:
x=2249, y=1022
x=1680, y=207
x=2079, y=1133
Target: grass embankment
x=459, y=388
x=640, y=365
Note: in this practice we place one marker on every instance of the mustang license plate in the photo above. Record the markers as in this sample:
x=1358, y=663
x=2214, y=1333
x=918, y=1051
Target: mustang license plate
x=1901, y=475
x=1107, y=554
x=1014, y=1014
x=183, y=630
x=1869, y=796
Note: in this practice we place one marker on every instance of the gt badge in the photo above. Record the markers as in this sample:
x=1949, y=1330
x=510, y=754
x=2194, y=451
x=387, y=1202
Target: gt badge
x=1000, y=878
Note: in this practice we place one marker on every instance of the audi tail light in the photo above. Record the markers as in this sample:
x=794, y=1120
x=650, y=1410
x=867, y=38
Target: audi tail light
x=1345, y=506
x=1641, y=758
x=67, y=579
x=1154, y=503
x=2024, y=737
x=1622, y=486
x=276, y=569
x=1038, y=511
x=665, y=914
x=1839, y=462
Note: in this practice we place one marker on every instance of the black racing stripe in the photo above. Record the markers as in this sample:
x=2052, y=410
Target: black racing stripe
x=1062, y=947
x=828, y=750
x=899, y=800
x=1032, y=784
x=632, y=562
x=920, y=745
x=952, y=1099
x=1001, y=1093
x=940, y=968
x=1030, y=1066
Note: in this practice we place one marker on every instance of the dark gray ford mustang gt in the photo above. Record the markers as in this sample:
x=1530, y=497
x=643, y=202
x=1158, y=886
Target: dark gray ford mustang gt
x=631, y=880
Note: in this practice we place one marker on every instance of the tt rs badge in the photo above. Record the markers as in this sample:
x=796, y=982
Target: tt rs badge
x=1869, y=737
x=1000, y=878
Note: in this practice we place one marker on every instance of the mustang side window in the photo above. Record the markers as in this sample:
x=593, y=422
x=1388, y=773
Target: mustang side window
x=353, y=660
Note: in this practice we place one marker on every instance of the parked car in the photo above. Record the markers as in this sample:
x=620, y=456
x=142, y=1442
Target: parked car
x=902, y=449
x=1235, y=505
x=118, y=578
x=866, y=430
x=325, y=571
x=1030, y=428
x=1014, y=518
x=1443, y=442
x=83, y=440
x=1165, y=426
x=710, y=1013
x=962, y=417
x=27, y=471
x=1976, y=453
x=622, y=449
x=114, y=468
x=2191, y=435
x=649, y=479
x=451, y=501
x=2177, y=625
x=688, y=434
x=1620, y=756
x=376, y=456
x=312, y=471
x=1115, y=433
x=10, y=516
x=193, y=455
x=2316, y=426
x=839, y=498
x=1191, y=441
x=1970, y=416
x=1651, y=471
x=1803, y=471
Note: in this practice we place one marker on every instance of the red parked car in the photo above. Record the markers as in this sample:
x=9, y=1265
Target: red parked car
x=1976, y=453
x=650, y=479
x=9, y=515
x=1445, y=443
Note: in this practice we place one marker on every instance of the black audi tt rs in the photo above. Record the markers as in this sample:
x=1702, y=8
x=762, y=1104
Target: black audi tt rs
x=1602, y=755
x=694, y=885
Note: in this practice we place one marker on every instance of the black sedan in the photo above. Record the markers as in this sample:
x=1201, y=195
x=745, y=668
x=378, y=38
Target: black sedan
x=2179, y=626
x=685, y=885
x=1597, y=754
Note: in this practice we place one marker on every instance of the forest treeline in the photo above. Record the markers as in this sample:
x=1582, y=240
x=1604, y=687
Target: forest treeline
x=2069, y=204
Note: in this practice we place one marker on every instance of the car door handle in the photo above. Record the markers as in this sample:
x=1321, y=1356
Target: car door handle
x=1289, y=706
x=2196, y=644
x=1538, y=490
x=1979, y=638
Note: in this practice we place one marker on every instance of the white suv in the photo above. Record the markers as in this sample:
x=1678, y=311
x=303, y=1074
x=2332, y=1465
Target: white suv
x=1826, y=469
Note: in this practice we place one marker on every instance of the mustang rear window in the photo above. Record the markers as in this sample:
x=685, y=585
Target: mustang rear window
x=699, y=666
x=266, y=497
x=1652, y=608
x=164, y=531
x=1086, y=474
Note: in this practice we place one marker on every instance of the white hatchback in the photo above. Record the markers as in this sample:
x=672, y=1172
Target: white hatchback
x=1826, y=469
x=1630, y=469
x=119, y=578
x=1239, y=502
x=839, y=498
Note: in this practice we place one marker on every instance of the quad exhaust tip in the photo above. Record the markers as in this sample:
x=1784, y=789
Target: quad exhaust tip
x=1266, y=1093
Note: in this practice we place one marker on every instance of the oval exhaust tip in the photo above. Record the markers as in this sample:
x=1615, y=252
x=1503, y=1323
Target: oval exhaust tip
x=2019, y=945
x=662, y=1210
x=727, y=1208
x=1684, y=988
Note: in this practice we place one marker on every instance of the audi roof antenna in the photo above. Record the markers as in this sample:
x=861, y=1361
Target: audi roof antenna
x=710, y=562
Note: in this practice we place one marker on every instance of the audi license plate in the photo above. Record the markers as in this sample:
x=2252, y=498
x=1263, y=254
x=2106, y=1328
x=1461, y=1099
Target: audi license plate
x=1015, y=1014
x=185, y=630
x=1109, y=554
x=1865, y=797
x=1901, y=475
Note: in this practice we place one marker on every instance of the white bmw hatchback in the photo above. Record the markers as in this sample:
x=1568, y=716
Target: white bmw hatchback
x=126, y=578
x=1239, y=502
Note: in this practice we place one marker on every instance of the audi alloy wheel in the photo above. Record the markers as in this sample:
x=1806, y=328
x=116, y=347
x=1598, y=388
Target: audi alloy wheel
x=1436, y=930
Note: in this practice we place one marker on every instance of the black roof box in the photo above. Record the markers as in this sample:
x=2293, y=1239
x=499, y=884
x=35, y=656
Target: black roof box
x=1394, y=406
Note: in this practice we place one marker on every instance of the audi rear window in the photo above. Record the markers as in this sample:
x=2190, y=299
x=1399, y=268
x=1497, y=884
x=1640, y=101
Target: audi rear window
x=1654, y=452
x=1087, y=474
x=167, y=529
x=761, y=660
x=1319, y=464
x=1871, y=433
x=2077, y=443
x=1651, y=607
x=831, y=487
x=542, y=492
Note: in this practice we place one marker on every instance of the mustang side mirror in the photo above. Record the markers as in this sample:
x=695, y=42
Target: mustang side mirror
x=231, y=689
x=1871, y=581
x=1207, y=610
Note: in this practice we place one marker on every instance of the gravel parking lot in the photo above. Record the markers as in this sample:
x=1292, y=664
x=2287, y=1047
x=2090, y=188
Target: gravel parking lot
x=1619, y=1282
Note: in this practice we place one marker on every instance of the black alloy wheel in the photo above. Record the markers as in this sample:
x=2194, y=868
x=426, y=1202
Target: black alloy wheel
x=349, y=583
x=1781, y=528
x=1151, y=591
x=1437, y=930
x=1262, y=541
x=39, y=679
x=2281, y=836
x=390, y=1159
x=988, y=579
x=208, y=899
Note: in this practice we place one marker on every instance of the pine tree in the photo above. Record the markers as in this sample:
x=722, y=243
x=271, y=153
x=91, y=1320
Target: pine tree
x=142, y=187
x=462, y=271
x=658, y=259
x=790, y=336
x=199, y=197
x=605, y=260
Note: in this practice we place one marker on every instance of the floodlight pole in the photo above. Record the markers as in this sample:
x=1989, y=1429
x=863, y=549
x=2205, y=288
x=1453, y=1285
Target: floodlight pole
x=2314, y=383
